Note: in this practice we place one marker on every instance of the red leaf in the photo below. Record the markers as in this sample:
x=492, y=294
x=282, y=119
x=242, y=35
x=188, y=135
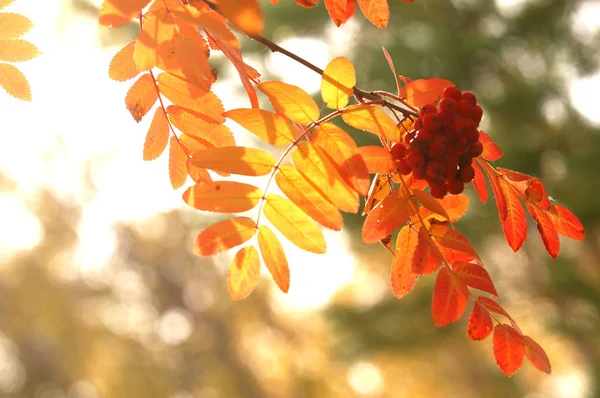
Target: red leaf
x=496, y=188
x=401, y=276
x=491, y=151
x=536, y=355
x=450, y=296
x=536, y=193
x=508, y=349
x=454, y=241
x=425, y=259
x=546, y=229
x=426, y=91
x=475, y=276
x=566, y=223
x=393, y=211
x=515, y=225
x=340, y=10
x=492, y=306
x=479, y=184
x=480, y=323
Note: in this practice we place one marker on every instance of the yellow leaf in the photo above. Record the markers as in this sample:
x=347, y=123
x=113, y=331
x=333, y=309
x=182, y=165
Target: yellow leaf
x=244, y=15
x=213, y=134
x=177, y=164
x=4, y=3
x=294, y=224
x=319, y=170
x=235, y=160
x=184, y=94
x=372, y=119
x=13, y=25
x=224, y=235
x=192, y=56
x=141, y=97
x=244, y=273
x=157, y=29
x=193, y=144
x=14, y=82
x=393, y=211
x=291, y=101
x=337, y=84
x=343, y=152
x=204, y=17
x=378, y=159
x=122, y=66
x=267, y=126
x=17, y=50
x=197, y=174
x=223, y=196
x=380, y=188
x=274, y=257
x=305, y=196
x=117, y=13
x=158, y=135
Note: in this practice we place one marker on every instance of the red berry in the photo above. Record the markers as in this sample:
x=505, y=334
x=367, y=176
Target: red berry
x=429, y=108
x=466, y=174
x=434, y=169
x=475, y=149
x=398, y=150
x=418, y=173
x=465, y=160
x=449, y=105
x=431, y=121
x=415, y=160
x=418, y=124
x=461, y=145
x=439, y=144
x=469, y=97
x=450, y=171
x=465, y=109
x=472, y=136
x=424, y=135
x=455, y=186
x=477, y=114
x=403, y=167
x=452, y=92
x=438, y=191
x=409, y=136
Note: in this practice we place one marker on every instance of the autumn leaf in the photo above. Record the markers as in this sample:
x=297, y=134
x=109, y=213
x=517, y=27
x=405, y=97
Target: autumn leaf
x=515, y=224
x=425, y=259
x=269, y=127
x=117, y=13
x=425, y=91
x=546, y=229
x=274, y=257
x=217, y=135
x=203, y=104
x=480, y=323
x=393, y=212
x=536, y=355
x=244, y=273
x=496, y=188
x=452, y=240
x=4, y=3
x=492, y=306
x=291, y=101
x=450, y=297
x=566, y=223
x=141, y=97
x=294, y=224
x=376, y=11
x=197, y=174
x=475, y=276
x=235, y=160
x=380, y=188
x=13, y=25
x=377, y=159
x=337, y=84
x=508, y=349
x=177, y=163
x=122, y=66
x=372, y=119
x=340, y=10
x=224, y=235
x=402, y=278
x=244, y=15
x=201, y=15
x=14, y=82
x=480, y=184
x=158, y=135
x=433, y=205
x=17, y=50
x=223, y=196
x=491, y=151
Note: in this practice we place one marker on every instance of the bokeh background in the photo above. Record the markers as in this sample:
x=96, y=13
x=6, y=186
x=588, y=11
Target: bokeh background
x=100, y=295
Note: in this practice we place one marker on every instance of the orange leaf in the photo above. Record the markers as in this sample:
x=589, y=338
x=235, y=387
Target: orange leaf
x=141, y=97
x=144, y=52
x=393, y=211
x=425, y=91
x=197, y=174
x=291, y=101
x=343, y=152
x=4, y=3
x=536, y=355
x=475, y=276
x=508, y=349
x=566, y=223
x=450, y=297
x=316, y=167
x=157, y=137
x=492, y=306
x=340, y=10
x=177, y=163
x=117, y=13
x=376, y=11
x=306, y=197
x=453, y=240
x=496, y=188
x=402, y=277
x=217, y=135
x=425, y=259
x=337, y=84
x=224, y=235
x=294, y=224
x=302, y=3
x=480, y=323
x=206, y=18
x=122, y=66
x=479, y=184
x=372, y=119
x=244, y=273
x=14, y=82
x=454, y=205
x=244, y=15
x=269, y=127
x=546, y=229
x=491, y=151
x=184, y=94
x=235, y=160
x=431, y=204
x=192, y=58
x=223, y=196
x=515, y=225
x=274, y=257
x=536, y=193
x=380, y=188
x=17, y=50
x=377, y=159
x=13, y=25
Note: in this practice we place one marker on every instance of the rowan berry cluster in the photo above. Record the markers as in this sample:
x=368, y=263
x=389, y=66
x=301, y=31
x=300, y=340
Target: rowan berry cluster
x=443, y=143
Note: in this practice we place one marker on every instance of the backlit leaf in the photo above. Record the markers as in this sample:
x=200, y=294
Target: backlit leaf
x=157, y=137
x=393, y=212
x=480, y=184
x=377, y=159
x=337, y=84
x=320, y=171
x=372, y=119
x=274, y=257
x=294, y=224
x=4, y=3
x=224, y=235
x=425, y=91
x=217, y=135
x=205, y=105
x=343, y=152
x=177, y=163
x=197, y=174
x=480, y=323
x=496, y=188
x=492, y=306
x=192, y=57
x=244, y=273
x=546, y=229
x=223, y=196
x=201, y=15
x=450, y=297
x=376, y=11
x=269, y=127
x=141, y=97
x=116, y=13
x=244, y=15
x=508, y=349
x=475, y=276
x=14, y=82
x=291, y=101
x=402, y=277
x=235, y=160
x=380, y=188
x=491, y=151
x=307, y=198
x=425, y=259
x=144, y=51
x=122, y=66
x=515, y=225
x=432, y=204
x=339, y=10
x=566, y=223
x=13, y=25
x=452, y=240
x=536, y=193
x=17, y=50
x=536, y=355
